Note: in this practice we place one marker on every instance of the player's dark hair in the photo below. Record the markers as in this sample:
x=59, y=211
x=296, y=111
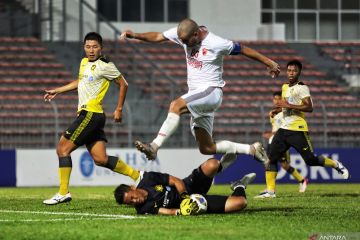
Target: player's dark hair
x=93, y=36
x=277, y=93
x=120, y=192
x=295, y=63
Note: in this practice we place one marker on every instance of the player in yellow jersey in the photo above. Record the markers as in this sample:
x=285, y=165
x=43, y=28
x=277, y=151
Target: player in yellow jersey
x=95, y=75
x=276, y=118
x=293, y=132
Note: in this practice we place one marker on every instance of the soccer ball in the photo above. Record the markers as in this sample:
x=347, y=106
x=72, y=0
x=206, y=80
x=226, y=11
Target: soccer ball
x=201, y=202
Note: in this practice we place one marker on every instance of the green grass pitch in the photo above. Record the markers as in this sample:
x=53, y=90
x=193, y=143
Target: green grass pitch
x=93, y=214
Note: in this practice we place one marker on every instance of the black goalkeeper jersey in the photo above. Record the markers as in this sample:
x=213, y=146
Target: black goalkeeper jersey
x=160, y=194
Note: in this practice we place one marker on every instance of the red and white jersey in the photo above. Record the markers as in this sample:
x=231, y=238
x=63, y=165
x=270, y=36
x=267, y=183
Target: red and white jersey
x=204, y=61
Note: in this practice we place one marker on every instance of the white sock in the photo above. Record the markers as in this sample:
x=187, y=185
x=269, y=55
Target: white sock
x=168, y=127
x=232, y=147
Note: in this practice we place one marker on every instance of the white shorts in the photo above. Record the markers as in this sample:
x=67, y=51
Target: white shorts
x=202, y=104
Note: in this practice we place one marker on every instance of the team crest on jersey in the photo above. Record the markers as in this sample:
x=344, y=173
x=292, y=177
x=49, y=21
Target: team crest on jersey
x=93, y=67
x=204, y=51
x=159, y=188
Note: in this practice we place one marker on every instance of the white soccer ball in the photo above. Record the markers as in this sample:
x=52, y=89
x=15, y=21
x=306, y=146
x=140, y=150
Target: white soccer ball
x=201, y=202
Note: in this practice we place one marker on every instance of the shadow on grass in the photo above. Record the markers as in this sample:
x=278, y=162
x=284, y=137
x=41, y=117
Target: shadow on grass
x=272, y=209
x=340, y=195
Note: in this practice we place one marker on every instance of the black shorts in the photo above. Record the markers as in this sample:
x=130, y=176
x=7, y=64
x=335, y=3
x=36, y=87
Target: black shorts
x=285, y=158
x=197, y=182
x=284, y=139
x=87, y=128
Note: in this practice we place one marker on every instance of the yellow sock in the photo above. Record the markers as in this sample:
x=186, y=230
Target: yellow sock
x=297, y=175
x=270, y=180
x=64, y=176
x=123, y=168
x=329, y=162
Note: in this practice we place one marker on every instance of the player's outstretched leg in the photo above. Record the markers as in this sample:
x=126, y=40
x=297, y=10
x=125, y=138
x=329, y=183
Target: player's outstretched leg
x=147, y=149
x=342, y=170
x=260, y=154
x=303, y=185
x=265, y=194
x=248, y=178
x=227, y=159
x=58, y=198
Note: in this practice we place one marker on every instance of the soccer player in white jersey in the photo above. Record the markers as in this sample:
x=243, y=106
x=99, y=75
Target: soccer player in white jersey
x=95, y=75
x=293, y=132
x=204, y=55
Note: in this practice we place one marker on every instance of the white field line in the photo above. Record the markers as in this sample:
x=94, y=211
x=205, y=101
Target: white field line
x=57, y=219
x=113, y=216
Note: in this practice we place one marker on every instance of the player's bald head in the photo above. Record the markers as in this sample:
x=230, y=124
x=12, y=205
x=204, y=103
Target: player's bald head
x=186, y=28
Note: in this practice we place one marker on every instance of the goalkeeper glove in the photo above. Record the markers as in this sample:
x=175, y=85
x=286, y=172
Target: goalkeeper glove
x=188, y=207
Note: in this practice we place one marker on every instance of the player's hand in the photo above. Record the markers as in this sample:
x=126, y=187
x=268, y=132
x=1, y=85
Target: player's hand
x=126, y=34
x=188, y=207
x=282, y=103
x=274, y=69
x=49, y=95
x=117, y=115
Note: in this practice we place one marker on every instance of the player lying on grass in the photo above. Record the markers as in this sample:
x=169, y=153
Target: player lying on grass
x=161, y=193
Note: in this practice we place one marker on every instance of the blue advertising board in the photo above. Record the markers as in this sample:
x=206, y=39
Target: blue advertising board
x=246, y=164
x=7, y=168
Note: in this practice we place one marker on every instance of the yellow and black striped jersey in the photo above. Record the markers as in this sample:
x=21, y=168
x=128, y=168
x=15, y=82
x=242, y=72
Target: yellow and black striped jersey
x=294, y=119
x=94, y=81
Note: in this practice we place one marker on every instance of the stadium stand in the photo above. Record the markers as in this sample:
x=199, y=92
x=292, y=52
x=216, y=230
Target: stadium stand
x=346, y=54
x=27, y=121
x=247, y=96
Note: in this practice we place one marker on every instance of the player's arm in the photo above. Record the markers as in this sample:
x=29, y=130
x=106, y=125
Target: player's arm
x=50, y=94
x=154, y=37
x=267, y=135
x=123, y=86
x=167, y=211
x=273, y=67
x=306, y=105
x=179, y=185
x=274, y=111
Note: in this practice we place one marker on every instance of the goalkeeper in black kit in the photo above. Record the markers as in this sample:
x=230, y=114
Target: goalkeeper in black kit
x=161, y=193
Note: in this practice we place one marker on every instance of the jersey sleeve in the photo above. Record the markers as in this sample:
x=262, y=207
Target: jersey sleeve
x=110, y=71
x=172, y=35
x=304, y=92
x=225, y=46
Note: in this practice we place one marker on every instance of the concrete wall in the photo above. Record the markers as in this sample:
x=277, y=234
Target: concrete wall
x=232, y=19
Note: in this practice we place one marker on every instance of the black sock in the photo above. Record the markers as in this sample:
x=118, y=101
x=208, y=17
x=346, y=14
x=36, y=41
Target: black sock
x=290, y=170
x=111, y=163
x=239, y=191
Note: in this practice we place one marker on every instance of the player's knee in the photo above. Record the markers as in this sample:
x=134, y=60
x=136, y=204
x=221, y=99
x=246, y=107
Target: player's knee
x=62, y=151
x=207, y=150
x=100, y=161
x=174, y=107
x=211, y=165
x=244, y=204
x=241, y=204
